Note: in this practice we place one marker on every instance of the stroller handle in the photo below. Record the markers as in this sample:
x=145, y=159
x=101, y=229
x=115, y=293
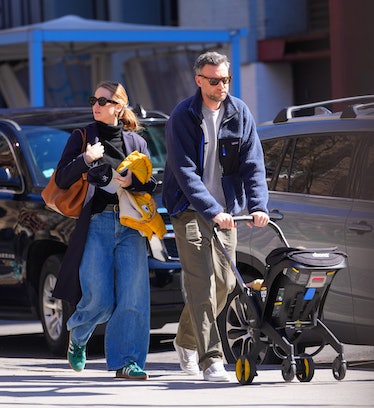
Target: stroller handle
x=247, y=218
x=272, y=224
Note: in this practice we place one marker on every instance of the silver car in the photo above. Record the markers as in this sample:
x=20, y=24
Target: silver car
x=320, y=168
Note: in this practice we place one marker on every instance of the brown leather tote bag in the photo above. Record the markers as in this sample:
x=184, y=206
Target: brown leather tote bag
x=68, y=202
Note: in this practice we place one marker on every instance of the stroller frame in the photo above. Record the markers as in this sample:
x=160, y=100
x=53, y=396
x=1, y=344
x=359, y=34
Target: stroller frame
x=289, y=305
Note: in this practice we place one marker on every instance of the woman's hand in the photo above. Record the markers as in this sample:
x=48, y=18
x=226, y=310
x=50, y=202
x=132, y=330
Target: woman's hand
x=124, y=181
x=94, y=152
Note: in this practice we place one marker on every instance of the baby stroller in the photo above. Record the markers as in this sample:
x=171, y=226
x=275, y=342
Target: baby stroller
x=287, y=309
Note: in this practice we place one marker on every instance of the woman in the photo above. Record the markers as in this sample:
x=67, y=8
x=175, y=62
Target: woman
x=111, y=258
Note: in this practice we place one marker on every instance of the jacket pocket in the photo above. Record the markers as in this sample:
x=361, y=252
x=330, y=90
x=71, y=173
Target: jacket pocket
x=229, y=149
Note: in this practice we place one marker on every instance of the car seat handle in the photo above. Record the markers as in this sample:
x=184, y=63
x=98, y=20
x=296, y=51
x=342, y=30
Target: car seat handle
x=272, y=224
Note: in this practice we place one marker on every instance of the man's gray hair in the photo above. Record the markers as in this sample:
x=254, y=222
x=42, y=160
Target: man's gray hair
x=211, y=58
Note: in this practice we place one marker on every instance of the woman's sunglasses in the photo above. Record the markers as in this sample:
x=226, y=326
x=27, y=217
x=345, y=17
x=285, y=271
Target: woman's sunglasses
x=216, y=81
x=102, y=101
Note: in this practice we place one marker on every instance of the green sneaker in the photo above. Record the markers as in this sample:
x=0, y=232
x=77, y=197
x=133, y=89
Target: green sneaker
x=76, y=356
x=131, y=371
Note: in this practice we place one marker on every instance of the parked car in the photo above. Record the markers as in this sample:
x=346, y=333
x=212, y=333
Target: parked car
x=34, y=239
x=320, y=168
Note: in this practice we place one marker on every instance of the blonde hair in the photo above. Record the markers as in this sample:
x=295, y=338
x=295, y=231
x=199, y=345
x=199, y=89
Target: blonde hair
x=127, y=116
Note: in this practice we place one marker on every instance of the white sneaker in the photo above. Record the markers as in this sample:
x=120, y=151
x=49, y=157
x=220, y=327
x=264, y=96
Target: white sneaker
x=187, y=359
x=216, y=373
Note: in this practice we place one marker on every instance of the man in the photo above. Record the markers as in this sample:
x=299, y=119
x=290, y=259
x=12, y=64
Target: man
x=214, y=170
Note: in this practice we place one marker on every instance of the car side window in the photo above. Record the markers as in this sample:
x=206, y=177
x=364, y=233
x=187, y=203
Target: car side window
x=318, y=164
x=10, y=178
x=321, y=165
x=366, y=191
x=155, y=138
x=277, y=155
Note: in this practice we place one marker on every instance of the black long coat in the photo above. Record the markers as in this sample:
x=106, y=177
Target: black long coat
x=68, y=285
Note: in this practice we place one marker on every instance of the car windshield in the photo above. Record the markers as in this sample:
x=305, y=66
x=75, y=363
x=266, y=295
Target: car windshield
x=45, y=147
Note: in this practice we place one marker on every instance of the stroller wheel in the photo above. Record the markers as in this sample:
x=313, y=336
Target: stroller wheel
x=304, y=369
x=288, y=370
x=245, y=369
x=339, y=368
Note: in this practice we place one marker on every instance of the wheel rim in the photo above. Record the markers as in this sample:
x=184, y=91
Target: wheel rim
x=305, y=369
x=339, y=368
x=240, y=336
x=288, y=370
x=245, y=370
x=52, y=309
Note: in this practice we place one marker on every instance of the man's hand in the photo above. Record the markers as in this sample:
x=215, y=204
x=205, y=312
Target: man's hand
x=260, y=219
x=224, y=220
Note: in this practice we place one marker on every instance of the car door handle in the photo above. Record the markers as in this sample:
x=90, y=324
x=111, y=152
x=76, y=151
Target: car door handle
x=275, y=215
x=361, y=227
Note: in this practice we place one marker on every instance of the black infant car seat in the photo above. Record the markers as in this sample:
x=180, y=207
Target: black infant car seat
x=298, y=281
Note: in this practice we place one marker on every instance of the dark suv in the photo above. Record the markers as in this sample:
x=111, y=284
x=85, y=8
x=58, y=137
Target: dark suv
x=320, y=169
x=34, y=239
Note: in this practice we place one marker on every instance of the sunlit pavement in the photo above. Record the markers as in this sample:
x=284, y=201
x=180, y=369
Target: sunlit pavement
x=29, y=381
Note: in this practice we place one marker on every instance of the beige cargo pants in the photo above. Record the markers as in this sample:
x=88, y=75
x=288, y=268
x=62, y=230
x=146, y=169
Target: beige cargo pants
x=208, y=279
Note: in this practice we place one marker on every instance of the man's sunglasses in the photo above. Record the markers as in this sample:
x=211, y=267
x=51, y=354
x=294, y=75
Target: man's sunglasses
x=102, y=101
x=216, y=81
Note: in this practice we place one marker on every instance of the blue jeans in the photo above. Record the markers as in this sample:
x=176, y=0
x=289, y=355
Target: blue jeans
x=114, y=279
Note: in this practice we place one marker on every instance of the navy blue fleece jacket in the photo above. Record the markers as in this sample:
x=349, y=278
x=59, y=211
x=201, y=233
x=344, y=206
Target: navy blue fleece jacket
x=244, y=181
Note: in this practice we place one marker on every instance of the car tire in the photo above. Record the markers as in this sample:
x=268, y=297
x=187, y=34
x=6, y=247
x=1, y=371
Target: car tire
x=54, y=313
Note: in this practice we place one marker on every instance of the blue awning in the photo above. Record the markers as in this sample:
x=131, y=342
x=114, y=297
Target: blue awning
x=76, y=34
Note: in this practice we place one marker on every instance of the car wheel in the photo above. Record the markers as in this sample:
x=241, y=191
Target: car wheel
x=54, y=313
x=235, y=323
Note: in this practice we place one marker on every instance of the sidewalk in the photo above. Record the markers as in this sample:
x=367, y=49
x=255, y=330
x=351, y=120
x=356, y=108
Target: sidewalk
x=29, y=383
x=30, y=378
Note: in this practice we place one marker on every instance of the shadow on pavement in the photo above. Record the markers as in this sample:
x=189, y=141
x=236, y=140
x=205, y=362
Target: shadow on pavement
x=34, y=345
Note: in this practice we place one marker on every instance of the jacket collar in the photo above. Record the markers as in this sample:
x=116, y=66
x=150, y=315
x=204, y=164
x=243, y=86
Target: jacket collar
x=195, y=107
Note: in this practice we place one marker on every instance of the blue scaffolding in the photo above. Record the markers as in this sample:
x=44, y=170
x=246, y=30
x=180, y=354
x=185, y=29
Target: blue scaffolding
x=30, y=41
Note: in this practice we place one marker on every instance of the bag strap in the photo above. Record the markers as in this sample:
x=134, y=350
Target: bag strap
x=84, y=138
x=84, y=145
